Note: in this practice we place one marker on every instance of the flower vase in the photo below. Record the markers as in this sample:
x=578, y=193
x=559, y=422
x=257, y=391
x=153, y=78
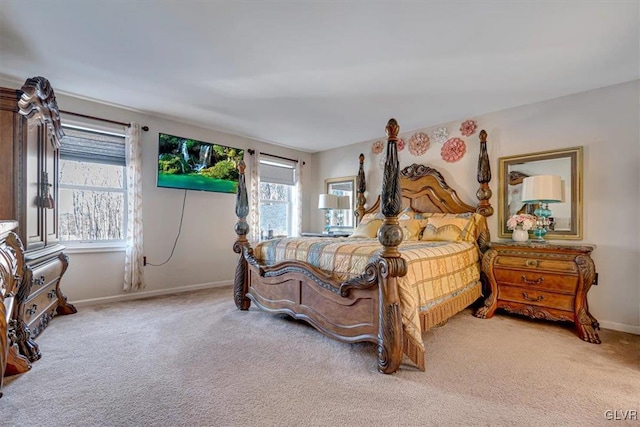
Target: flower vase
x=520, y=235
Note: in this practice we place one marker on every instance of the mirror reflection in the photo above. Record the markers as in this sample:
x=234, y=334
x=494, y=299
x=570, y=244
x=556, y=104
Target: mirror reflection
x=342, y=218
x=565, y=222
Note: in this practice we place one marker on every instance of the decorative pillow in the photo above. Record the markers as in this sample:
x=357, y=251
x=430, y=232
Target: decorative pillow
x=446, y=230
x=451, y=227
x=407, y=213
x=411, y=229
x=368, y=229
x=371, y=216
x=470, y=225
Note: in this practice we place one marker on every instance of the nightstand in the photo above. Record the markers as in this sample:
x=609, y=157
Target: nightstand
x=542, y=281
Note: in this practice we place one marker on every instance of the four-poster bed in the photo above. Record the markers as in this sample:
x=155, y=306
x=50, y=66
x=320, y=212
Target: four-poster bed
x=356, y=290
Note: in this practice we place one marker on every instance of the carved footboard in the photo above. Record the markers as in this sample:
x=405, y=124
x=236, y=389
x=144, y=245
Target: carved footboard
x=365, y=308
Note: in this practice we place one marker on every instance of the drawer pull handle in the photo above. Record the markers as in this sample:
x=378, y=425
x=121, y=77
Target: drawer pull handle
x=39, y=281
x=532, y=263
x=528, y=298
x=32, y=310
x=532, y=282
x=52, y=294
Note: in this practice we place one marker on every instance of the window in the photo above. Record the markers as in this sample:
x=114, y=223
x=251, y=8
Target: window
x=277, y=183
x=92, y=190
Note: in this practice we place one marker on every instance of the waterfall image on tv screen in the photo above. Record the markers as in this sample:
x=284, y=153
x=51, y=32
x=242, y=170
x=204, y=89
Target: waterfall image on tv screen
x=195, y=165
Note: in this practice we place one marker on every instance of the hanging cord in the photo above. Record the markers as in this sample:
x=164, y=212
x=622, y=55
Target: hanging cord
x=177, y=237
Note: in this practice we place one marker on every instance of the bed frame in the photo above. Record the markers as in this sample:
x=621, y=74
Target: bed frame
x=365, y=308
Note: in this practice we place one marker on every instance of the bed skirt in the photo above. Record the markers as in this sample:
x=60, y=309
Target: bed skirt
x=438, y=314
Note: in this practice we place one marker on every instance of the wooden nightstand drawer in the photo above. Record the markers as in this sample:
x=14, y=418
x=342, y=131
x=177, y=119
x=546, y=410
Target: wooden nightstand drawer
x=34, y=307
x=536, y=279
x=45, y=274
x=537, y=263
x=536, y=297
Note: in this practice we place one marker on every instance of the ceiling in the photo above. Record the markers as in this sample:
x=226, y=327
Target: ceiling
x=315, y=75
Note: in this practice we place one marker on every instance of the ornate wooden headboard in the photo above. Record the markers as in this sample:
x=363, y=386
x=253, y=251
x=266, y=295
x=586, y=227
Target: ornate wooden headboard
x=425, y=190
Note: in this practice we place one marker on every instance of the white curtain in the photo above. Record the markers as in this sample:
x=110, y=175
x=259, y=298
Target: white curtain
x=133, y=266
x=254, y=198
x=297, y=202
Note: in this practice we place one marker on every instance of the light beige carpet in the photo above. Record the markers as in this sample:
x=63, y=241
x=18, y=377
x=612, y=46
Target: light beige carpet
x=193, y=359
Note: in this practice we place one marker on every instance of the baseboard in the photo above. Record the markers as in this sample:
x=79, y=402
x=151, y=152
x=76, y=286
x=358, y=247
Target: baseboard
x=148, y=294
x=621, y=327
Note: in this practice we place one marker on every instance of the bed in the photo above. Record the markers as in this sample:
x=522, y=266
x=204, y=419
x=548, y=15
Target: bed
x=387, y=290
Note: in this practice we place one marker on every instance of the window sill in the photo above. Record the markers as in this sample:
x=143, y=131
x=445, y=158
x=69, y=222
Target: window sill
x=86, y=248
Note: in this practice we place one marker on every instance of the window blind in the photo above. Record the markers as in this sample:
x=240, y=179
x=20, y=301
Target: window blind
x=277, y=171
x=88, y=146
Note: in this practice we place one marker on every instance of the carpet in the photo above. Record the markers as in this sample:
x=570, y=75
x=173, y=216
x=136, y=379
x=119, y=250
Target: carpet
x=194, y=359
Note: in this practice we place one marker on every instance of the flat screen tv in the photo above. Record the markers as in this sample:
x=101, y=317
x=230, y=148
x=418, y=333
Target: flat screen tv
x=195, y=165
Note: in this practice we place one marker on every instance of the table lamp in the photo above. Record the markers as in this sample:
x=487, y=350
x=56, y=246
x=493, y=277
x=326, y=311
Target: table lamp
x=542, y=189
x=327, y=202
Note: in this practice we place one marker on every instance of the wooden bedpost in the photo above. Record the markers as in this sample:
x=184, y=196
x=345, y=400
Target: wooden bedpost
x=240, y=284
x=390, y=264
x=484, y=176
x=361, y=187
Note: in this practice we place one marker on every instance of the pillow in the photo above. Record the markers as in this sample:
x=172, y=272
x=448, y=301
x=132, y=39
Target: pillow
x=368, y=229
x=450, y=227
x=439, y=229
x=370, y=217
x=411, y=229
x=407, y=213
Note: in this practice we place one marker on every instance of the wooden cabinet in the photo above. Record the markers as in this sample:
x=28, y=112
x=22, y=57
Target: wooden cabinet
x=30, y=135
x=541, y=281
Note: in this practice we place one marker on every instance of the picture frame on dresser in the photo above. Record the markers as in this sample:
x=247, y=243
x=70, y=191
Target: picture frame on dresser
x=566, y=162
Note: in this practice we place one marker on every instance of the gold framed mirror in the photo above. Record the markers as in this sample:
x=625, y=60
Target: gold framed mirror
x=342, y=219
x=567, y=215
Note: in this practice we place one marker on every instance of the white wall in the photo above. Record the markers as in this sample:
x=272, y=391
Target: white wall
x=204, y=252
x=606, y=122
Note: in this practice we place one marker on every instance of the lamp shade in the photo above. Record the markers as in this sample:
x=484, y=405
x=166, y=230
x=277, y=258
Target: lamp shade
x=542, y=188
x=328, y=201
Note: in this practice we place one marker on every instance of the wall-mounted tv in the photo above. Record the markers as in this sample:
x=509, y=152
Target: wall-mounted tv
x=195, y=165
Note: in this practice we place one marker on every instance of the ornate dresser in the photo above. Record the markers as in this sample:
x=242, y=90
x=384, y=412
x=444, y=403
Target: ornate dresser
x=542, y=281
x=30, y=135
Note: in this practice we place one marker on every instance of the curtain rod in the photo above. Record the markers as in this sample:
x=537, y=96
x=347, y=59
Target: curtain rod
x=252, y=152
x=144, y=128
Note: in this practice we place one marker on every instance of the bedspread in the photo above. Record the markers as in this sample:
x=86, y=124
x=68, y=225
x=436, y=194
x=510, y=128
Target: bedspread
x=436, y=270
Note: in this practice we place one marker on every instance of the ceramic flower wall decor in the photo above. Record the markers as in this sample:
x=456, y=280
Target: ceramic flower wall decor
x=418, y=143
x=376, y=148
x=453, y=150
x=468, y=127
x=440, y=135
x=400, y=144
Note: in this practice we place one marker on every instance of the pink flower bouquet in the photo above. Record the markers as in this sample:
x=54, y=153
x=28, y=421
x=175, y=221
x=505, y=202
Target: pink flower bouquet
x=524, y=221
